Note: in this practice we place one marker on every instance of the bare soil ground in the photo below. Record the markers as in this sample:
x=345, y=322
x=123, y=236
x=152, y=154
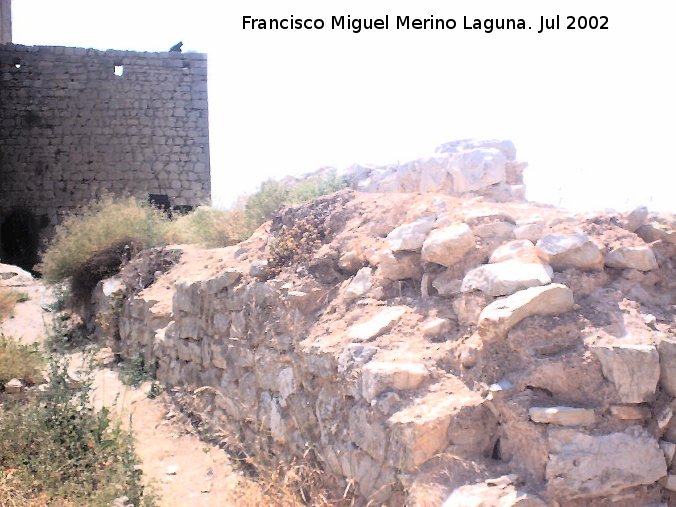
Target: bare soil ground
x=182, y=469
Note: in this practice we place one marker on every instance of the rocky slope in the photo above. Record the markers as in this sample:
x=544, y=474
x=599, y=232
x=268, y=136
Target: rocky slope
x=429, y=349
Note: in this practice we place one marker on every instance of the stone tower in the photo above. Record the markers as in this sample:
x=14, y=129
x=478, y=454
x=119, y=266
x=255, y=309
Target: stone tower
x=5, y=21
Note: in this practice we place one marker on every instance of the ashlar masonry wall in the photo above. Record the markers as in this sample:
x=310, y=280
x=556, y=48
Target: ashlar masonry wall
x=76, y=124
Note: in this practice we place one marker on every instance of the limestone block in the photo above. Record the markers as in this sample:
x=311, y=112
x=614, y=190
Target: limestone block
x=354, y=356
x=669, y=449
x=380, y=376
x=468, y=306
x=449, y=245
x=219, y=354
x=636, y=218
x=360, y=284
x=368, y=432
x=633, y=369
x=492, y=493
x=494, y=230
x=563, y=416
x=14, y=386
x=563, y=251
x=504, y=278
x=667, y=353
x=630, y=412
x=399, y=266
x=447, y=284
x=417, y=434
x=640, y=258
x=478, y=168
x=286, y=383
x=376, y=325
x=436, y=327
x=410, y=236
x=655, y=231
x=503, y=314
x=587, y=466
x=531, y=229
x=518, y=249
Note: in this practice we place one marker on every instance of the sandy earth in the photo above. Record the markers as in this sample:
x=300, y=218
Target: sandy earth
x=183, y=470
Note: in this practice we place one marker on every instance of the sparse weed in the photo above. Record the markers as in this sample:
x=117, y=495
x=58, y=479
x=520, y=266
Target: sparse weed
x=60, y=451
x=24, y=362
x=134, y=371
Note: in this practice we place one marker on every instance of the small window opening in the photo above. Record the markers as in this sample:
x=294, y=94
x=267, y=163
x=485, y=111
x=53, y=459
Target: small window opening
x=17, y=63
x=119, y=70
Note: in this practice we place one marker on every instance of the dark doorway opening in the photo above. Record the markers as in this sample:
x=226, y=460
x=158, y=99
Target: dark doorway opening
x=20, y=239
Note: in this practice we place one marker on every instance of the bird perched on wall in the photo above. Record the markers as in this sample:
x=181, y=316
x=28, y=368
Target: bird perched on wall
x=176, y=48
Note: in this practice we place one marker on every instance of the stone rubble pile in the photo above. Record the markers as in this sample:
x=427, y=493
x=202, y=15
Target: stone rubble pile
x=471, y=352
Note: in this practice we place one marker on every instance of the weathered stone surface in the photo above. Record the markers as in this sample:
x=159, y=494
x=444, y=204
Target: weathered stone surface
x=468, y=306
x=504, y=278
x=655, y=231
x=670, y=482
x=586, y=466
x=640, y=258
x=529, y=229
x=633, y=369
x=667, y=353
x=448, y=245
x=669, y=449
x=446, y=284
x=410, y=236
x=494, y=230
x=563, y=251
x=636, y=218
x=492, y=493
x=500, y=316
x=563, y=416
x=377, y=325
x=360, y=284
x=436, y=327
x=518, y=249
x=14, y=386
x=379, y=376
x=399, y=266
x=629, y=412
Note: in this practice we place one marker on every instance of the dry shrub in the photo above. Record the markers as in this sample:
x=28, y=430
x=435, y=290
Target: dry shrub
x=209, y=227
x=19, y=361
x=8, y=300
x=98, y=227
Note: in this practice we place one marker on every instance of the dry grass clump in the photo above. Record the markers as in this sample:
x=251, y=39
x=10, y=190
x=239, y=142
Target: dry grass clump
x=19, y=361
x=209, y=227
x=8, y=300
x=95, y=229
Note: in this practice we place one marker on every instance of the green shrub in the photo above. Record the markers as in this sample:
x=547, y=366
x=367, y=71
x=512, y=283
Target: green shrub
x=19, y=361
x=62, y=452
x=274, y=195
x=96, y=228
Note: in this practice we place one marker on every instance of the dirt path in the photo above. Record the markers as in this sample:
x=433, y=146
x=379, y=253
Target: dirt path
x=183, y=470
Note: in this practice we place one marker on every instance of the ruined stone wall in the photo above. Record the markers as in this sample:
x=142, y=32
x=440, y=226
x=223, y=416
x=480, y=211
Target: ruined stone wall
x=71, y=129
x=430, y=350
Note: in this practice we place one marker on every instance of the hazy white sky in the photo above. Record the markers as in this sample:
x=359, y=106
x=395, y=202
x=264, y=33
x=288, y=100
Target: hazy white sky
x=592, y=112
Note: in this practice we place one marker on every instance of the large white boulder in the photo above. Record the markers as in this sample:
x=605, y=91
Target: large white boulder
x=410, y=236
x=518, y=249
x=504, y=278
x=378, y=377
x=503, y=314
x=477, y=168
x=448, y=245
